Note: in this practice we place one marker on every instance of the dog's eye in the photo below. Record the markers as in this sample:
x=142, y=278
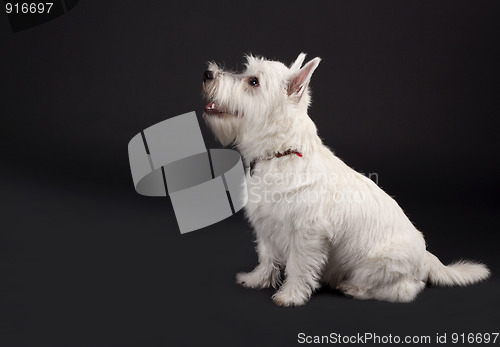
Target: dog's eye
x=253, y=81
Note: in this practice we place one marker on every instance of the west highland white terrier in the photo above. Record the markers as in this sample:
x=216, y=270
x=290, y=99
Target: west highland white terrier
x=314, y=216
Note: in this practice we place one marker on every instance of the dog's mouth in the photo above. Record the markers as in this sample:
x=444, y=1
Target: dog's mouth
x=213, y=109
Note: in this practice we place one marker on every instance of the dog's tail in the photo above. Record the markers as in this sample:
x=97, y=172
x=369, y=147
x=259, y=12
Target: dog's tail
x=461, y=273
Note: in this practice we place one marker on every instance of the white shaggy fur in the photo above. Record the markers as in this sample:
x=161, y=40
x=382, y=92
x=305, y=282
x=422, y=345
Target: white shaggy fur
x=314, y=216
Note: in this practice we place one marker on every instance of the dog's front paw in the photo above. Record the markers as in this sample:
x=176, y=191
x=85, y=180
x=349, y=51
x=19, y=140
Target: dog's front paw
x=289, y=298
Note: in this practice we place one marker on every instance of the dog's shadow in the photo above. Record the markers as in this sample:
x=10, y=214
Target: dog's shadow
x=327, y=290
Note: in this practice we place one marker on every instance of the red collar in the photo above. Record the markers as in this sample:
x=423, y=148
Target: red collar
x=287, y=152
x=275, y=155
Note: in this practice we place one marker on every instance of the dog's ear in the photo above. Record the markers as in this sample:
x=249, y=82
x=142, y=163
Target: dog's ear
x=298, y=62
x=299, y=80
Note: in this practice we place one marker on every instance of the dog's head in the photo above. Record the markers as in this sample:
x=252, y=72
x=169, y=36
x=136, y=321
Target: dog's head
x=264, y=98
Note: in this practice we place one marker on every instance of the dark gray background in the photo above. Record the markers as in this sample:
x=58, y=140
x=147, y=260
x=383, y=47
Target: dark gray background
x=406, y=89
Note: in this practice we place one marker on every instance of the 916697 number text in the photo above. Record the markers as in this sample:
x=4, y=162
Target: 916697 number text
x=28, y=7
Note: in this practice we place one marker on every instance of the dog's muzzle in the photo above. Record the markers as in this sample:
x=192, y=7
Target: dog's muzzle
x=213, y=108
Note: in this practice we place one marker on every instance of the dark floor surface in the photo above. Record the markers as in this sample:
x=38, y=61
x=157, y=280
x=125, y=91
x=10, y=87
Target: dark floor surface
x=82, y=267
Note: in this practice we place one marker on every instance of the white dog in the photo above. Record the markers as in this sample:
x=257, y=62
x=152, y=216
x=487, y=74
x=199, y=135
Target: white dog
x=313, y=215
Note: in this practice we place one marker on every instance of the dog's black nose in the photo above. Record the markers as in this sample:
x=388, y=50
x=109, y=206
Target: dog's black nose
x=208, y=75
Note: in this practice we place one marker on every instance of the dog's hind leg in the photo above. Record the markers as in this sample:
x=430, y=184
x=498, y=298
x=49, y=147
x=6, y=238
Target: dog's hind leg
x=403, y=290
x=380, y=283
x=305, y=262
x=267, y=273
